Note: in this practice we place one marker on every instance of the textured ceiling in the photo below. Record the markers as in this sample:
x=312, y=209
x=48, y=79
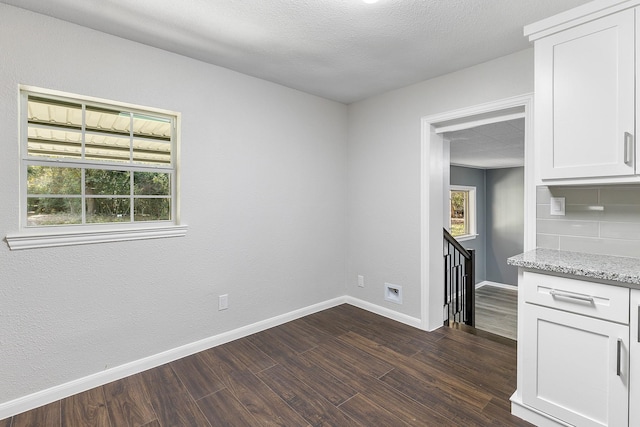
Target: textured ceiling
x=343, y=50
x=496, y=145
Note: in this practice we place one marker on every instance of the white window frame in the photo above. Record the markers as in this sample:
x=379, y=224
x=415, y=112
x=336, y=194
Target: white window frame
x=64, y=235
x=471, y=215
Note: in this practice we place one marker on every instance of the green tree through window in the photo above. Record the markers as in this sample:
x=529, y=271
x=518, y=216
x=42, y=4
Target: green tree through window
x=462, y=211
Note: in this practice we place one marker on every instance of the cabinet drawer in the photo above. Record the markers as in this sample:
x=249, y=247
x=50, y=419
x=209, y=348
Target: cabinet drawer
x=577, y=296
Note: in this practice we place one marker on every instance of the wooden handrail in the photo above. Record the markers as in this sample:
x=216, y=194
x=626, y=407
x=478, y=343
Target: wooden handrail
x=449, y=238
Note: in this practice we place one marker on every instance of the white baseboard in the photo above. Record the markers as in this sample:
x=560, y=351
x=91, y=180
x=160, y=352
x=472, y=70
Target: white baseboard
x=43, y=397
x=385, y=312
x=496, y=285
x=532, y=415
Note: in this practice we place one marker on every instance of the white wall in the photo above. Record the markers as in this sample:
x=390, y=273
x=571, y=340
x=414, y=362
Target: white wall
x=263, y=194
x=505, y=222
x=384, y=171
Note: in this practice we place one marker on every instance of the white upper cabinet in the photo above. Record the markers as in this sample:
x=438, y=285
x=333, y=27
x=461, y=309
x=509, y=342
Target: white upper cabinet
x=585, y=101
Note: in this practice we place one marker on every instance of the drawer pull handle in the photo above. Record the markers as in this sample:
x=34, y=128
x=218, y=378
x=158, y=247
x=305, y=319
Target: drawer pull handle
x=628, y=148
x=618, y=357
x=557, y=294
x=639, y=323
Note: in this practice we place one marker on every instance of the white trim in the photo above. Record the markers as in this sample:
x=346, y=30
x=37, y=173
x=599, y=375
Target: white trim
x=385, y=312
x=578, y=15
x=32, y=240
x=532, y=415
x=431, y=194
x=43, y=397
x=507, y=166
x=466, y=237
x=481, y=122
x=496, y=285
x=598, y=181
x=93, y=99
x=432, y=218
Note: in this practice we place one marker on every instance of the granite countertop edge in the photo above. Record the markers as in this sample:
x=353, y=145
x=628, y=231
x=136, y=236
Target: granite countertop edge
x=603, y=267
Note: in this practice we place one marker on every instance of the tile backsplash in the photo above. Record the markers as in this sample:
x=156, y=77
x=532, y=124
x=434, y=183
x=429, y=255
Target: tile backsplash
x=598, y=220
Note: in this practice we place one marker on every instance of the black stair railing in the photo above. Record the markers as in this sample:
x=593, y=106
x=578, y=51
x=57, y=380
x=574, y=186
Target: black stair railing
x=459, y=282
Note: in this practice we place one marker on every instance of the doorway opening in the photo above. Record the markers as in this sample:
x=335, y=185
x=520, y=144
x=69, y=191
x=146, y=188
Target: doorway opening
x=436, y=185
x=486, y=199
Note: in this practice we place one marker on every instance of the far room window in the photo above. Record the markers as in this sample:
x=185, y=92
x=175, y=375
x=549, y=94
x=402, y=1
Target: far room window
x=463, y=212
x=92, y=163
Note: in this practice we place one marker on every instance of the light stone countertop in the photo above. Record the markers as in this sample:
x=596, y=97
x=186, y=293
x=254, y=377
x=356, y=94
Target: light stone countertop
x=603, y=267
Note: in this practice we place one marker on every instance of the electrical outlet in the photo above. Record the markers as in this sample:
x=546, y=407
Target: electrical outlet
x=223, y=302
x=393, y=293
x=360, y=281
x=557, y=206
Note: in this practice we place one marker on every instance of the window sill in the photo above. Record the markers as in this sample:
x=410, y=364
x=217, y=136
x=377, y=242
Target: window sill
x=33, y=240
x=466, y=237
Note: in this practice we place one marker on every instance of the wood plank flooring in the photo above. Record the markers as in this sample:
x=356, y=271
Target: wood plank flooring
x=497, y=311
x=339, y=367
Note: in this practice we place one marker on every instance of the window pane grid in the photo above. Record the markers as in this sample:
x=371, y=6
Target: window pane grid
x=93, y=164
x=132, y=217
x=84, y=142
x=103, y=145
x=60, y=129
x=462, y=211
x=84, y=186
x=56, y=196
x=459, y=210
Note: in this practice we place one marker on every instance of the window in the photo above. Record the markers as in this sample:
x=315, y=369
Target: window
x=92, y=165
x=462, y=220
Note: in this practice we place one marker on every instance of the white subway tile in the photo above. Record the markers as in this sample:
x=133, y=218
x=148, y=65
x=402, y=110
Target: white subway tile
x=621, y=213
x=567, y=227
x=543, y=196
x=629, y=248
x=620, y=196
x=576, y=195
x=547, y=241
x=620, y=230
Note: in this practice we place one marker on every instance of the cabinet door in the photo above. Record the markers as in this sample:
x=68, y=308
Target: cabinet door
x=634, y=363
x=585, y=104
x=575, y=367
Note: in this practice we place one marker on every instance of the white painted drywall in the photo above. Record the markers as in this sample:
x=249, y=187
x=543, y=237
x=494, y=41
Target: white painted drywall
x=267, y=180
x=263, y=193
x=384, y=171
x=505, y=223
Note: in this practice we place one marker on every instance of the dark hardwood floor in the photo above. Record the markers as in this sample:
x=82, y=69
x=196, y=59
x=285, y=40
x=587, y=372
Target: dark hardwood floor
x=340, y=367
x=497, y=310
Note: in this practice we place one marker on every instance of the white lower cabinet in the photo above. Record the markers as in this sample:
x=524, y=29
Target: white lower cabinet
x=634, y=361
x=576, y=367
x=575, y=352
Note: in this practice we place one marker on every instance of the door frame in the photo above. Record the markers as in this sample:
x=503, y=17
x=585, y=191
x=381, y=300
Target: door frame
x=432, y=169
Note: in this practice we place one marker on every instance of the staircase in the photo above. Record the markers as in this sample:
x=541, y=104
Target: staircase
x=459, y=282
